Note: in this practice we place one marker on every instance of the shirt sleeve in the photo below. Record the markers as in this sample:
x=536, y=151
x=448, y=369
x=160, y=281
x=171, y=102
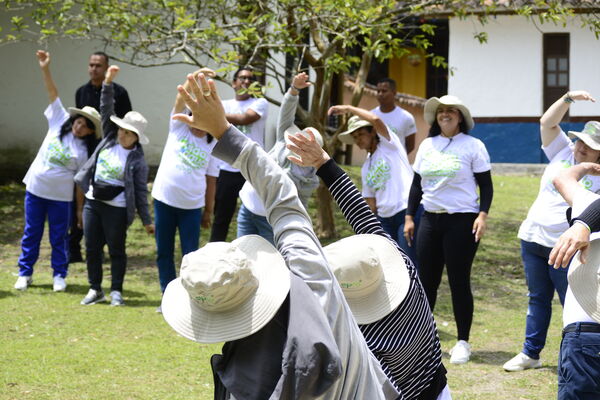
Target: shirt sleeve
x=260, y=106
x=419, y=156
x=481, y=159
x=177, y=128
x=560, y=142
x=213, y=167
x=410, y=126
x=56, y=114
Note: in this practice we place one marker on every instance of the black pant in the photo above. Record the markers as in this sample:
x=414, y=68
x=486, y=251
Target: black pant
x=448, y=239
x=229, y=185
x=103, y=223
x=75, y=236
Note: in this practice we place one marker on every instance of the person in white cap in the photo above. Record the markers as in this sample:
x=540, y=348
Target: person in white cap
x=578, y=363
x=381, y=286
x=386, y=173
x=289, y=333
x=251, y=219
x=49, y=190
x=114, y=181
x=546, y=221
x=449, y=166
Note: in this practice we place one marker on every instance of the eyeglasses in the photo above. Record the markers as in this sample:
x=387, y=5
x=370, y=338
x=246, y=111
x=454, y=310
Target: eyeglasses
x=248, y=78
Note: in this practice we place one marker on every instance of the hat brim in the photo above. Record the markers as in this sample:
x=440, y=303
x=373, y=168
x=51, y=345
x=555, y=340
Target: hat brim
x=346, y=136
x=191, y=321
x=584, y=280
x=97, y=124
x=431, y=106
x=293, y=129
x=141, y=137
x=392, y=289
x=585, y=138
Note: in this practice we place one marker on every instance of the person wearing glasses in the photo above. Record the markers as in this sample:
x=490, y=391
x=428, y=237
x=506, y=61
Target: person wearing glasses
x=249, y=115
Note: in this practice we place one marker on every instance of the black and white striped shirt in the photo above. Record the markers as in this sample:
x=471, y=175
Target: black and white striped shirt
x=405, y=341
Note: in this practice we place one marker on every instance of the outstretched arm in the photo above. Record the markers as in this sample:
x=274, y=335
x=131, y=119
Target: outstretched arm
x=107, y=99
x=179, y=105
x=361, y=113
x=287, y=113
x=44, y=61
x=549, y=128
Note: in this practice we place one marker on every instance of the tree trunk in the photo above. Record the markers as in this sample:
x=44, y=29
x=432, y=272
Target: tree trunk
x=325, y=228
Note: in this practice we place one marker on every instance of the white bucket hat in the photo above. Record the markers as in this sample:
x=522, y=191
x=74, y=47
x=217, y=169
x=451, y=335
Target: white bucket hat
x=372, y=274
x=92, y=114
x=135, y=122
x=304, y=132
x=584, y=280
x=590, y=134
x=433, y=103
x=226, y=291
x=354, y=123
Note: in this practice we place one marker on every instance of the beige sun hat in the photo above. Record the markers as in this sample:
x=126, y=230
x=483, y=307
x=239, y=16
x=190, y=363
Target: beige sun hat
x=584, y=280
x=590, y=134
x=92, y=114
x=372, y=274
x=354, y=123
x=226, y=291
x=433, y=103
x=135, y=122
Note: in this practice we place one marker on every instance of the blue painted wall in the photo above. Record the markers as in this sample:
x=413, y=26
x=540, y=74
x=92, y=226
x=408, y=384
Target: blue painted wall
x=516, y=142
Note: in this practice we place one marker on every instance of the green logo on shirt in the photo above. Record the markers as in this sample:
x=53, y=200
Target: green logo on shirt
x=191, y=157
x=57, y=155
x=109, y=166
x=378, y=175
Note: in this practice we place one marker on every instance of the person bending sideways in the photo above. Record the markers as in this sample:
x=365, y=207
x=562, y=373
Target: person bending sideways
x=288, y=330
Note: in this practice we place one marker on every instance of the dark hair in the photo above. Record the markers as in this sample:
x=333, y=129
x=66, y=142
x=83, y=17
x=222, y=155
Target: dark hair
x=389, y=81
x=436, y=130
x=90, y=140
x=102, y=54
x=245, y=68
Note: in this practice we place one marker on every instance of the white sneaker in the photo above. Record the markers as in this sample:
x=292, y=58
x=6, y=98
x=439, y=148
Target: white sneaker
x=116, y=299
x=93, y=297
x=59, y=284
x=521, y=362
x=23, y=282
x=460, y=353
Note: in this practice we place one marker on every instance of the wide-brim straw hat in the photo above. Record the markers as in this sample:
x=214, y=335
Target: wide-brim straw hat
x=135, y=122
x=372, y=273
x=433, y=103
x=584, y=280
x=227, y=291
x=92, y=114
x=590, y=134
x=354, y=123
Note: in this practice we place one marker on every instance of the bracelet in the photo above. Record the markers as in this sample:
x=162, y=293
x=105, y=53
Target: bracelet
x=568, y=99
x=295, y=88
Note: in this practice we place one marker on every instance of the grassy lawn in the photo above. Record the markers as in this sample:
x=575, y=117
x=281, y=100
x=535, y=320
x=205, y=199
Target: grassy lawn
x=54, y=348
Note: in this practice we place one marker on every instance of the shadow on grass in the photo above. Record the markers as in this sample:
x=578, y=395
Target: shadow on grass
x=141, y=303
x=46, y=289
x=491, y=357
x=5, y=293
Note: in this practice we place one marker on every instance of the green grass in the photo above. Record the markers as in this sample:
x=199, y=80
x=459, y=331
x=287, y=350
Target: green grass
x=53, y=348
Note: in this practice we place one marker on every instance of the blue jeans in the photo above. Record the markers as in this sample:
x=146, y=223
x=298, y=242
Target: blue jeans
x=579, y=366
x=542, y=281
x=394, y=226
x=249, y=223
x=59, y=219
x=167, y=220
x=103, y=223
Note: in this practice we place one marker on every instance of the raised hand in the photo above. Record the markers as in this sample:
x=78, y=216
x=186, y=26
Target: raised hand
x=202, y=99
x=307, y=151
x=43, y=58
x=338, y=110
x=111, y=73
x=580, y=95
x=300, y=81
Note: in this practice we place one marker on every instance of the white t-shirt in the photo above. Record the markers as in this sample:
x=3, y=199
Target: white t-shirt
x=255, y=130
x=387, y=176
x=546, y=219
x=110, y=168
x=186, y=160
x=51, y=174
x=573, y=312
x=400, y=121
x=447, y=168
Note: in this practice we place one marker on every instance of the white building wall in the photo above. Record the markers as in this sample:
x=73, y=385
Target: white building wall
x=503, y=77
x=23, y=96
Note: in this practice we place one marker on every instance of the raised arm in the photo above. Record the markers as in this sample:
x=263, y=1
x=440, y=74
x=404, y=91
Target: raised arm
x=289, y=104
x=549, y=127
x=361, y=113
x=107, y=99
x=179, y=105
x=44, y=61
